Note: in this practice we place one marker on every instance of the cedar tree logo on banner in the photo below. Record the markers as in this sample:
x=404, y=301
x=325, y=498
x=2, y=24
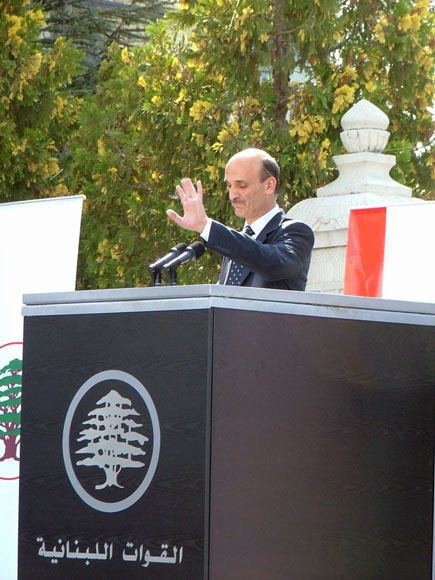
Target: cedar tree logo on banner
x=111, y=441
x=11, y=366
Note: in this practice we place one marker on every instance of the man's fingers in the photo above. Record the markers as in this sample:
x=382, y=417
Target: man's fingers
x=189, y=188
x=173, y=215
x=199, y=188
x=181, y=193
x=194, y=217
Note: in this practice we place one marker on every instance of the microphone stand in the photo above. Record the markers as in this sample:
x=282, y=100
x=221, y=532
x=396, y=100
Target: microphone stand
x=172, y=275
x=191, y=253
x=156, y=276
x=155, y=269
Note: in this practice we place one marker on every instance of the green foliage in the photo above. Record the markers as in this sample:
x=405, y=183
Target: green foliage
x=17, y=400
x=220, y=75
x=93, y=26
x=4, y=381
x=36, y=112
x=13, y=366
x=9, y=418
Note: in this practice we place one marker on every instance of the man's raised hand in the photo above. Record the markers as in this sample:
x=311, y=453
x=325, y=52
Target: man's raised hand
x=194, y=218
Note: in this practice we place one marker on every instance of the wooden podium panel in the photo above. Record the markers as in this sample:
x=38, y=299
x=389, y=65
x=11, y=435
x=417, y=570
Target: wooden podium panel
x=219, y=433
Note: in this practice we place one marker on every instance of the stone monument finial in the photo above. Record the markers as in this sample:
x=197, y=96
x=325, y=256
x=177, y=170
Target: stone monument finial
x=364, y=168
x=364, y=128
x=363, y=181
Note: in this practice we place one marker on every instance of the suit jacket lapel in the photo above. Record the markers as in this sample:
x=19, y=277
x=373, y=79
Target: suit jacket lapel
x=269, y=227
x=226, y=262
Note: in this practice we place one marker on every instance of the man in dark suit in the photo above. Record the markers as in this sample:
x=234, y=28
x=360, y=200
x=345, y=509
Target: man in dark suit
x=272, y=251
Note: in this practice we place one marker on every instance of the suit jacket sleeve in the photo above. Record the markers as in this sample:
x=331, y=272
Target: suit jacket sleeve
x=280, y=254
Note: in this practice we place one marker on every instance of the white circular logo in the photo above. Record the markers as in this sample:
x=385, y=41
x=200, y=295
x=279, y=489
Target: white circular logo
x=110, y=439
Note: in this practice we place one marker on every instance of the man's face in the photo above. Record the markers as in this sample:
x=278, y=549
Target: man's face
x=250, y=197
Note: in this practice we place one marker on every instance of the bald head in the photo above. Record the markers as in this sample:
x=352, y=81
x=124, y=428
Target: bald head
x=251, y=178
x=268, y=165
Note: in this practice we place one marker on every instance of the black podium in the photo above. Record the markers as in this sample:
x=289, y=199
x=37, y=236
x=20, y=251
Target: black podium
x=225, y=433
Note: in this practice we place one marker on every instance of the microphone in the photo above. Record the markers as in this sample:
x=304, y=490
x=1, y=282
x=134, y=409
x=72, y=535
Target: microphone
x=156, y=268
x=191, y=253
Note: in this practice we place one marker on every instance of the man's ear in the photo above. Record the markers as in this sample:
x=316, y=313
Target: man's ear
x=270, y=185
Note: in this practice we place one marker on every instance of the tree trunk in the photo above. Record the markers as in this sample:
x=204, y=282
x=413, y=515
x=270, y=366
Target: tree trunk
x=11, y=448
x=280, y=62
x=111, y=477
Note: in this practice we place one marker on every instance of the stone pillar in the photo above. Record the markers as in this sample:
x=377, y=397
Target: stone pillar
x=363, y=181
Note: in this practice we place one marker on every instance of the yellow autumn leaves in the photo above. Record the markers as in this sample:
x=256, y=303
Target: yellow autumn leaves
x=17, y=27
x=306, y=127
x=410, y=23
x=200, y=109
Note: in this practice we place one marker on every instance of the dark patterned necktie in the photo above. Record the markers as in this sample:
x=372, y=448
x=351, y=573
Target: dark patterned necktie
x=237, y=270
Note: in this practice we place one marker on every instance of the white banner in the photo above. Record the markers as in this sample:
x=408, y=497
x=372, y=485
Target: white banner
x=38, y=253
x=409, y=271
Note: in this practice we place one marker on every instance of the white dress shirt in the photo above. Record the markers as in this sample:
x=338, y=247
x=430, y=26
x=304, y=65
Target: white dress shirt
x=256, y=226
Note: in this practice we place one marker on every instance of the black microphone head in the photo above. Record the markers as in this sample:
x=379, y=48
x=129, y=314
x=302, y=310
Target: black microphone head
x=198, y=248
x=173, y=253
x=180, y=247
x=191, y=253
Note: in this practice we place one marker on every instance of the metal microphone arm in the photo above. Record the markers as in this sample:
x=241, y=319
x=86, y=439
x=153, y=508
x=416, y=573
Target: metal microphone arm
x=191, y=253
x=155, y=268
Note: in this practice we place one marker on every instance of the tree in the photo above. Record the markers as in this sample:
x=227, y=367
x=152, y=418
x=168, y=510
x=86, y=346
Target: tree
x=36, y=111
x=93, y=26
x=220, y=75
x=10, y=408
x=111, y=438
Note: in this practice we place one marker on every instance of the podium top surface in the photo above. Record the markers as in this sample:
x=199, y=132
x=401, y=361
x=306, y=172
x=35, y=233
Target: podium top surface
x=232, y=297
